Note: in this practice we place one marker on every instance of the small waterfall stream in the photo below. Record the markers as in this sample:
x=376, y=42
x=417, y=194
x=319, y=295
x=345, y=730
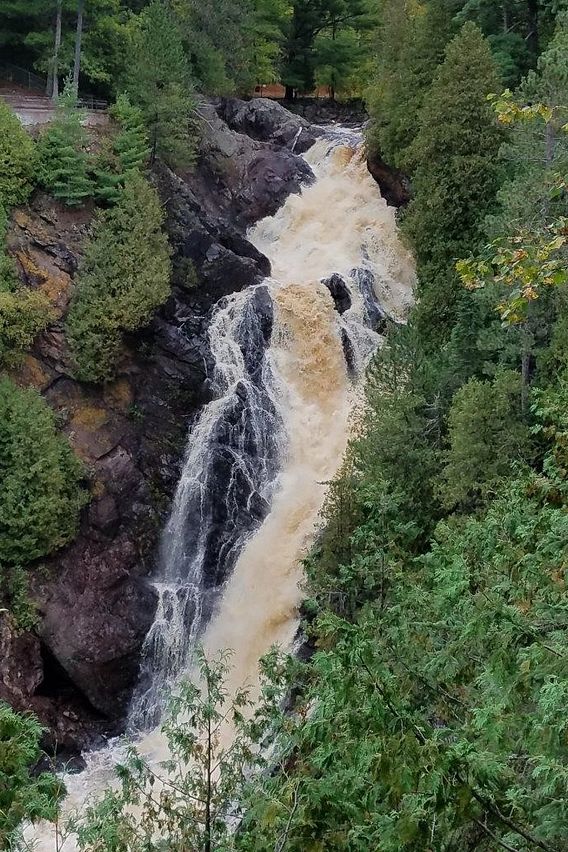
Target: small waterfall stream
x=288, y=360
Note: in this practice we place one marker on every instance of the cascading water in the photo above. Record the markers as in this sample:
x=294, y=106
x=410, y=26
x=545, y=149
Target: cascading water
x=287, y=357
x=282, y=355
x=224, y=491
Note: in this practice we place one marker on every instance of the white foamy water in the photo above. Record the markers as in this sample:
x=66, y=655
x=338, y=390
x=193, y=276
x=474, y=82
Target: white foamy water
x=278, y=429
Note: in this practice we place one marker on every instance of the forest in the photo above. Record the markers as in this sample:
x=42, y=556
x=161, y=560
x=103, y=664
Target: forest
x=431, y=713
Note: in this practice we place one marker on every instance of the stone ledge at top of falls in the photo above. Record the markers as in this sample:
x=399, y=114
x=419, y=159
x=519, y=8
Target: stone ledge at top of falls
x=247, y=166
x=268, y=121
x=76, y=672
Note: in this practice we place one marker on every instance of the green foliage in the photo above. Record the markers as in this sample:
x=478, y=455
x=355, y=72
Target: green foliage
x=24, y=795
x=456, y=175
x=124, y=278
x=194, y=797
x=128, y=151
x=326, y=19
x=411, y=43
x=27, y=38
x=16, y=599
x=233, y=44
x=487, y=438
x=40, y=479
x=158, y=81
x=62, y=155
x=17, y=159
x=23, y=312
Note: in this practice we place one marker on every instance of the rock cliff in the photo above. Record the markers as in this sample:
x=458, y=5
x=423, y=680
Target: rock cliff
x=77, y=670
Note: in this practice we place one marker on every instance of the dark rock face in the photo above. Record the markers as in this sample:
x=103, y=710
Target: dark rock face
x=241, y=179
x=267, y=121
x=394, y=185
x=339, y=292
x=95, y=603
x=325, y=111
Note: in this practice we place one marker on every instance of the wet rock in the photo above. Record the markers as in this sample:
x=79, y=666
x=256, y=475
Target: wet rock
x=394, y=184
x=95, y=615
x=267, y=121
x=243, y=179
x=339, y=292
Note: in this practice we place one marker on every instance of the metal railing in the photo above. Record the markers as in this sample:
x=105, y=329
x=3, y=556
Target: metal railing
x=13, y=74
x=21, y=77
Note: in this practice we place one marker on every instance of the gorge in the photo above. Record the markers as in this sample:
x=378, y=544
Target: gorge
x=285, y=358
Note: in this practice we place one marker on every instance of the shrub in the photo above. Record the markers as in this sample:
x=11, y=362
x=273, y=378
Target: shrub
x=62, y=155
x=40, y=479
x=17, y=159
x=125, y=277
x=24, y=794
x=23, y=312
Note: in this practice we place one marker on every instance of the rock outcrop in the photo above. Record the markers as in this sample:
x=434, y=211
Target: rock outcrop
x=394, y=184
x=94, y=601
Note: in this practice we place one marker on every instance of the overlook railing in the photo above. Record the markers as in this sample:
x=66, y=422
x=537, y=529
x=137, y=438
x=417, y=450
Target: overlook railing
x=22, y=77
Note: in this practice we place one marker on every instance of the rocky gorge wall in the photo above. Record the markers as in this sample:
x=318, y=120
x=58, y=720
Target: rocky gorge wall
x=77, y=670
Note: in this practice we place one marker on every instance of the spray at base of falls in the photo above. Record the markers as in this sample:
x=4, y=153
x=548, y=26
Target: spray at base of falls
x=275, y=434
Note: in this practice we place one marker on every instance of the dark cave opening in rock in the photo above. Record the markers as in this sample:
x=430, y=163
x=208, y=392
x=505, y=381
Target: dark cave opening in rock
x=57, y=684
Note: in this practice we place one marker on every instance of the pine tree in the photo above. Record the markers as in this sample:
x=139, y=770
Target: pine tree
x=125, y=277
x=411, y=46
x=40, y=479
x=158, y=81
x=128, y=151
x=456, y=174
x=62, y=155
x=17, y=159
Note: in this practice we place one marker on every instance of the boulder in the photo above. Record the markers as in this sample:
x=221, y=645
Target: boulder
x=339, y=292
x=267, y=121
x=394, y=184
x=243, y=179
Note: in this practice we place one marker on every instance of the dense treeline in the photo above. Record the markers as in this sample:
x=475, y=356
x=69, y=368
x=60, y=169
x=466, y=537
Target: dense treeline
x=432, y=715
x=433, y=712
x=237, y=45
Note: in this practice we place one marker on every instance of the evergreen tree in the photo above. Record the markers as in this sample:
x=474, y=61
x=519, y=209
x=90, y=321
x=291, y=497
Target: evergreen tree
x=127, y=152
x=157, y=79
x=456, y=174
x=40, y=479
x=410, y=47
x=487, y=437
x=62, y=155
x=25, y=795
x=311, y=18
x=17, y=159
x=124, y=278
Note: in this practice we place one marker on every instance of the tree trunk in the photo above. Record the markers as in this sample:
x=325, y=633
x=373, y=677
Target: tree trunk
x=533, y=37
x=550, y=143
x=289, y=93
x=55, y=61
x=78, y=38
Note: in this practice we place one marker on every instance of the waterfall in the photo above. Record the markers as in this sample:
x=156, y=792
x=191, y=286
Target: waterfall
x=224, y=492
x=288, y=358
